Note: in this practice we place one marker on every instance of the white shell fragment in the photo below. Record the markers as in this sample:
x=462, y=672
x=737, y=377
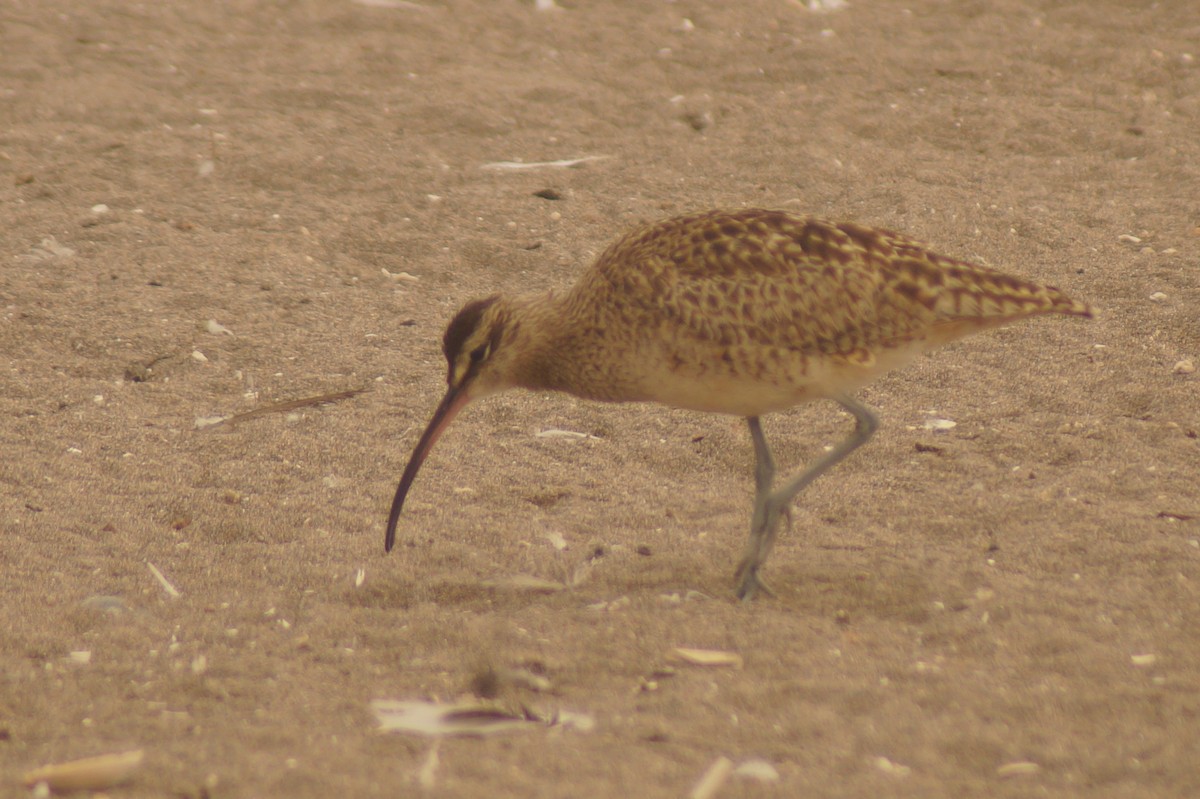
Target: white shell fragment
x=706, y=657
x=1143, y=660
x=48, y=250
x=939, y=425
x=1021, y=768
x=568, y=434
x=890, y=767
x=825, y=6
x=216, y=328
x=209, y=421
x=432, y=718
x=1184, y=367
x=524, y=678
x=472, y=719
x=403, y=277
x=89, y=774
x=757, y=769
x=404, y=4
x=713, y=779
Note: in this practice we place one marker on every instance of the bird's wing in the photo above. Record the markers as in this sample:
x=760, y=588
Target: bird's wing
x=776, y=279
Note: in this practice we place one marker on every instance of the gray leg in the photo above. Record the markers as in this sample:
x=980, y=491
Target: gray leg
x=769, y=506
x=764, y=478
x=764, y=468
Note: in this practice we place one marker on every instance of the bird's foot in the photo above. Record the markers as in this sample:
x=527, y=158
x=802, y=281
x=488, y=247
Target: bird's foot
x=749, y=583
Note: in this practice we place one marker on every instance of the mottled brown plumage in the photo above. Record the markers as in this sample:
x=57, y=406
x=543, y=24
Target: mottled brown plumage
x=742, y=312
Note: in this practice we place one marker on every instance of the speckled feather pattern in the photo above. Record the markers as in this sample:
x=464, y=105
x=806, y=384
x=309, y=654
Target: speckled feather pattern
x=749, y=311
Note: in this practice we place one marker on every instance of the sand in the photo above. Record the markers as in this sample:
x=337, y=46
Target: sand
x=207, y=208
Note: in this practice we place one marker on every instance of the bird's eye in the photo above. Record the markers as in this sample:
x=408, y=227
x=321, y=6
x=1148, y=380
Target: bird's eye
x=479, y=353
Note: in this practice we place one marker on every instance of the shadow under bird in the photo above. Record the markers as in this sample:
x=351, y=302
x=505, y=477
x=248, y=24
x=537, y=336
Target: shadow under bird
x=739, y=312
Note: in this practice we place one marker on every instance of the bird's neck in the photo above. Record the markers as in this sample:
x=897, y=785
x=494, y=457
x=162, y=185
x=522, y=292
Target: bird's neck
x=537, y=333
x=555, y=341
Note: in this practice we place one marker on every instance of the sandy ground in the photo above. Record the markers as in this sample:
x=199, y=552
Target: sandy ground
x=1021, y=589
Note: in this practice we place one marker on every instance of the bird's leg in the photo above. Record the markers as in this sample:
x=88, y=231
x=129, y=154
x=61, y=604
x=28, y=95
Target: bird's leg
x=764, y=467
x=763, y=480
x=767, y=509
x=764, y=472
x=763, y=518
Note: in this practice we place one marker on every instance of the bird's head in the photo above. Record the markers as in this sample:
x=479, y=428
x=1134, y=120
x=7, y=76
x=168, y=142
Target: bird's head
x=478, y=365
x=478, y=362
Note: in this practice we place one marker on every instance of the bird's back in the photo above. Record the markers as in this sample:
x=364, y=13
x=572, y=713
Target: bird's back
x=810, y=285
x=774, y=306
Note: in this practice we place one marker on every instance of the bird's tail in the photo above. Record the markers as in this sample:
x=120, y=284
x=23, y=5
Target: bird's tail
x=1061, y=303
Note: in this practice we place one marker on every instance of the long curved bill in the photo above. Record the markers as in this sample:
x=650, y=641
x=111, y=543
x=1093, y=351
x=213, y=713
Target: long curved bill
x=447, y=409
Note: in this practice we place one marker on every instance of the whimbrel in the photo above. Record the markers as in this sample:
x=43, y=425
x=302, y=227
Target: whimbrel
x=740, y=312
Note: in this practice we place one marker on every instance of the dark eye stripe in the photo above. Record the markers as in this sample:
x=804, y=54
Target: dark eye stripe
x=464, y=323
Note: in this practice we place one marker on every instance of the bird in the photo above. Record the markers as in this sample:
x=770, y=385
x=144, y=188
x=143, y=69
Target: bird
x=745, y=312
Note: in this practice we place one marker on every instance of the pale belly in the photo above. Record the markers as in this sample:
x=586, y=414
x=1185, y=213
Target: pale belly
x=756, y=382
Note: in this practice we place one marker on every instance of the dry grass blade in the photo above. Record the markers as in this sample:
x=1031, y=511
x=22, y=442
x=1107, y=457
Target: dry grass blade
x=171, y=590
x=563, y=164
x=89, y=774
x=288, y=405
